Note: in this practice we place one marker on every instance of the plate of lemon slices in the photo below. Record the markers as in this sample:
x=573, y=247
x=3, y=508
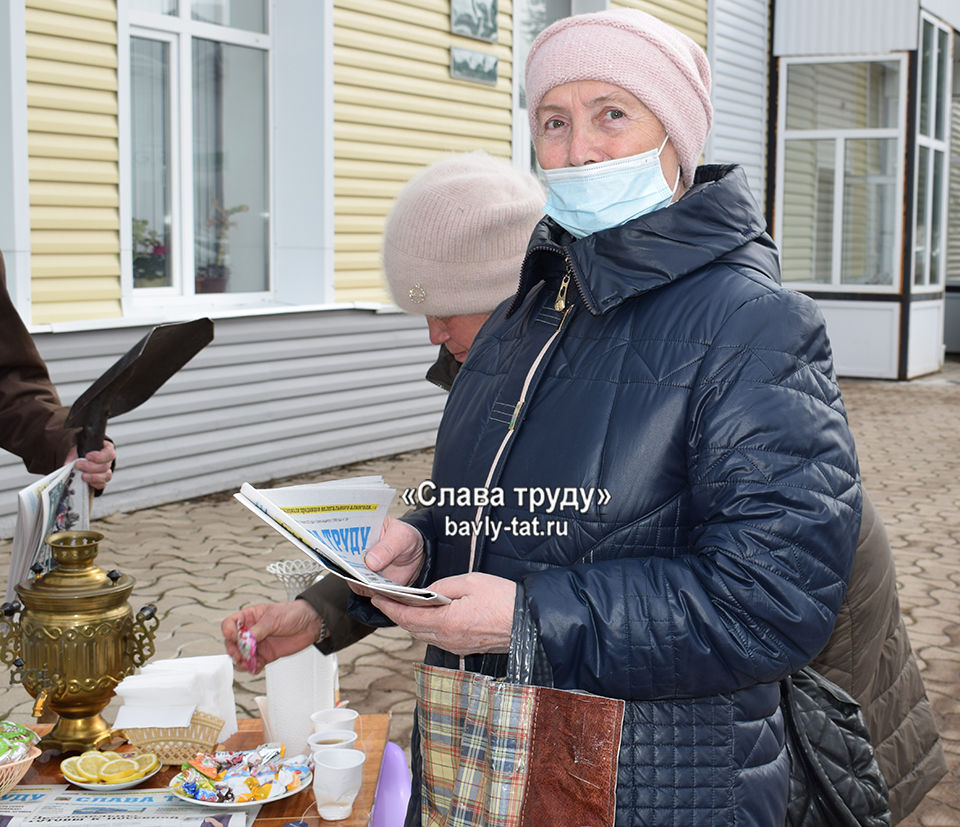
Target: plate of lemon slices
x=106, y=771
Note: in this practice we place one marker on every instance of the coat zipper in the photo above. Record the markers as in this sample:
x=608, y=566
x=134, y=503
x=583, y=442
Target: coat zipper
x=511, y=430
x=560, y=302
x=560, y=305
x=513, y=420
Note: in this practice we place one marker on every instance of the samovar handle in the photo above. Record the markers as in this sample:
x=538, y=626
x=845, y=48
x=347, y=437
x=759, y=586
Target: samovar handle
x=142, y=647
x=10, y=634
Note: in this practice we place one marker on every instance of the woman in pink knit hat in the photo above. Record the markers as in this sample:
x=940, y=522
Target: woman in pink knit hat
x=651, y=363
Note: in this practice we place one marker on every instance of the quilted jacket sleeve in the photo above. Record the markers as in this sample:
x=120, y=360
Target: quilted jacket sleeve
x=774, y=511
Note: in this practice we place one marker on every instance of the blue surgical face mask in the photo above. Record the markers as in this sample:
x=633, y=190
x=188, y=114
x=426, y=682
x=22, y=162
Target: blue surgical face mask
x=584, y=200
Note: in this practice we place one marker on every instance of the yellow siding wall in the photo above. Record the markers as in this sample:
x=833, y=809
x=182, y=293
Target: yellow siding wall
x=71, y=50
x=396, y=110
x=689, y=16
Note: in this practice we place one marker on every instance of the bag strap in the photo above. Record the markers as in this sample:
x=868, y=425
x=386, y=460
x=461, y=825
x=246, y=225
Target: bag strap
x=527, y=662
x=814, y=771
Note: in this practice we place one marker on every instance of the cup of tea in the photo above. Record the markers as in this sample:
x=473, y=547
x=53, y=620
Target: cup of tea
x=340, y=717
x=328, y=738
x=337, y=777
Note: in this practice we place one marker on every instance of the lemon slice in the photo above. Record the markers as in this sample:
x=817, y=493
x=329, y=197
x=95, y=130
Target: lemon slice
x=89, y=764
x=68, y=766
x=146, y=762
x=119, y=770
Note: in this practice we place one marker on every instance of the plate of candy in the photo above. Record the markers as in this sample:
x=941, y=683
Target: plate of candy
x=246, y=778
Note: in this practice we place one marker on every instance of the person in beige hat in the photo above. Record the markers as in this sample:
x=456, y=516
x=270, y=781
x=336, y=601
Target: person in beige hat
x=452, y=248
x=454, y=241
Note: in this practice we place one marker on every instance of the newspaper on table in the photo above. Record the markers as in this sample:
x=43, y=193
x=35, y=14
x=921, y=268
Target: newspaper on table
x=54, y=805
x=335, y=523
x=59, y=501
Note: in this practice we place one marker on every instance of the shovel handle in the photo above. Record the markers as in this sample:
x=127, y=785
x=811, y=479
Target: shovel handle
x=91, y=436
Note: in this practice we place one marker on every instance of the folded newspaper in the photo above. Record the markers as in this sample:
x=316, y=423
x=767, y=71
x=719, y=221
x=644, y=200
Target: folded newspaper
x=57, y=806
x=59, y=501
x=335, y=523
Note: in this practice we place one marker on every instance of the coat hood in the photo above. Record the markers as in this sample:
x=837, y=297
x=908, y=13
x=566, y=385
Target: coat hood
x=711, y=222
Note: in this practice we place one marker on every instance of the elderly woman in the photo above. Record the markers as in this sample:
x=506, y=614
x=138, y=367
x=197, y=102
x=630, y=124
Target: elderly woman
x=650, y=353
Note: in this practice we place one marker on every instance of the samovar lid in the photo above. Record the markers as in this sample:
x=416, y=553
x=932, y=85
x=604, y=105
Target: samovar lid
x=75, y=576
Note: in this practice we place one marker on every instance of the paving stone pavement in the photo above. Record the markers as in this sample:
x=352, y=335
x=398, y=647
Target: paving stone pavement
x=199, y=560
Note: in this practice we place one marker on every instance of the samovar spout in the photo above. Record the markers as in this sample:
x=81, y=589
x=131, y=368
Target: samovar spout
x=40, y=703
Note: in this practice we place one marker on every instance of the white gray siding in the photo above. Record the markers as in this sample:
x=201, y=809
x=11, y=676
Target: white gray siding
x=850, y=27
x=947, y=10
x=737, y=46
x=271, y=396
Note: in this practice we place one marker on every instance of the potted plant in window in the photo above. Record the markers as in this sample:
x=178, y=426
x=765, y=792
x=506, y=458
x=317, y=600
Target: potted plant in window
x=212, y=277
x=149, y=255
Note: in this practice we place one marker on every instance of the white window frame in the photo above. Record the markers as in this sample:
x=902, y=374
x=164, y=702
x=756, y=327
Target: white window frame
x=840, y=136
x=178, y=30
x=522, y=139
x=932, y=144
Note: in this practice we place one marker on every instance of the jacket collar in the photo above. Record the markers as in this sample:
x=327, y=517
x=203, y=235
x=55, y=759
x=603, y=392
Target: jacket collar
x=715, y=217
x=444, y=370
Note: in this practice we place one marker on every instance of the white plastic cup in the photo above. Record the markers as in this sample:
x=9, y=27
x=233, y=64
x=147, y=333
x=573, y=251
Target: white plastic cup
x=337, y=778
x=330, y=738
x=336, y=718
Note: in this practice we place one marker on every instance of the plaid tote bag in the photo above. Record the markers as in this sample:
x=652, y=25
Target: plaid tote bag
x=499, y=754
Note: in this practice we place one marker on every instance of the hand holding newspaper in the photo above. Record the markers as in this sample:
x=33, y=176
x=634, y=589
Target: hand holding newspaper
x=60, y=501
x=335, y=523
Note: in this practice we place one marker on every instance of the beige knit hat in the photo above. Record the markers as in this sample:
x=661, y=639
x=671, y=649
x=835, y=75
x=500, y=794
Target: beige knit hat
x=457, y=234
x=659, y=65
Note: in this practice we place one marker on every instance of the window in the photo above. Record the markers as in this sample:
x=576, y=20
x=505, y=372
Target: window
x=838, y=189
x=530, y=18
x=953, y=190
x=932, y=169
x=199, y=211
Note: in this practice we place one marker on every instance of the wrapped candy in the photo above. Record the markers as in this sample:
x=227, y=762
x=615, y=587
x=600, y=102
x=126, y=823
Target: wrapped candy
x=207, y=795
x=257, y=790
x=247, y=644
x=205, y=764
x=242, y=777
x=12, y=751
x=15, y=741
x=17, y=732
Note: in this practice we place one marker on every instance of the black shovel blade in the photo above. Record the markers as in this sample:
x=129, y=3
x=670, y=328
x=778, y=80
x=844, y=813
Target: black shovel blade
x=136, y=376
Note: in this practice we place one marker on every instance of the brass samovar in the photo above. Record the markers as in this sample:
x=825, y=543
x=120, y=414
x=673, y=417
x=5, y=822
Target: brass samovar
x=72, y=638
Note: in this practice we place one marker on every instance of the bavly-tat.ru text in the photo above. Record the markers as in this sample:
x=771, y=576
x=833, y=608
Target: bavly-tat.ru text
x=492, y=529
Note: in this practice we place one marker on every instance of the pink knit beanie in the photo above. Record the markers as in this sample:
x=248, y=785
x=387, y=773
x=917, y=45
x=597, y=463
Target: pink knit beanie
x=457, y=234
x=659, y=65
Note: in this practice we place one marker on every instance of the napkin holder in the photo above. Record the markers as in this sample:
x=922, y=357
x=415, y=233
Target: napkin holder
x=174, y=745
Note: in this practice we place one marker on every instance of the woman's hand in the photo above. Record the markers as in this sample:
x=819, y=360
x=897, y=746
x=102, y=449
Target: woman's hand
x=397, y=555
x=479, y=617
x=280, y=629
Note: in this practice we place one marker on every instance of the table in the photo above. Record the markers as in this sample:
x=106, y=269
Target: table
x=372, y=739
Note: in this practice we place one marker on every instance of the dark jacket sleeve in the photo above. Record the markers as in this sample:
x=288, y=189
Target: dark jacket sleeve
x=31, y=416
x=329, y=599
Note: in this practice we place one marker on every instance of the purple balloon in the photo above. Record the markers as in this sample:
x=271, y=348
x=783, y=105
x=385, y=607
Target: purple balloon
x=393, y=789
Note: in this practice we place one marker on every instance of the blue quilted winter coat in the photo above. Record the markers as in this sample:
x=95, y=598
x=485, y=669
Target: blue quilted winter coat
x=697, y=398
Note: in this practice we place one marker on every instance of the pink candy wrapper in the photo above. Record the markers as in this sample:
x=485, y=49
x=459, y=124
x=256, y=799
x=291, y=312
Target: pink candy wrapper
x=247, y=644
